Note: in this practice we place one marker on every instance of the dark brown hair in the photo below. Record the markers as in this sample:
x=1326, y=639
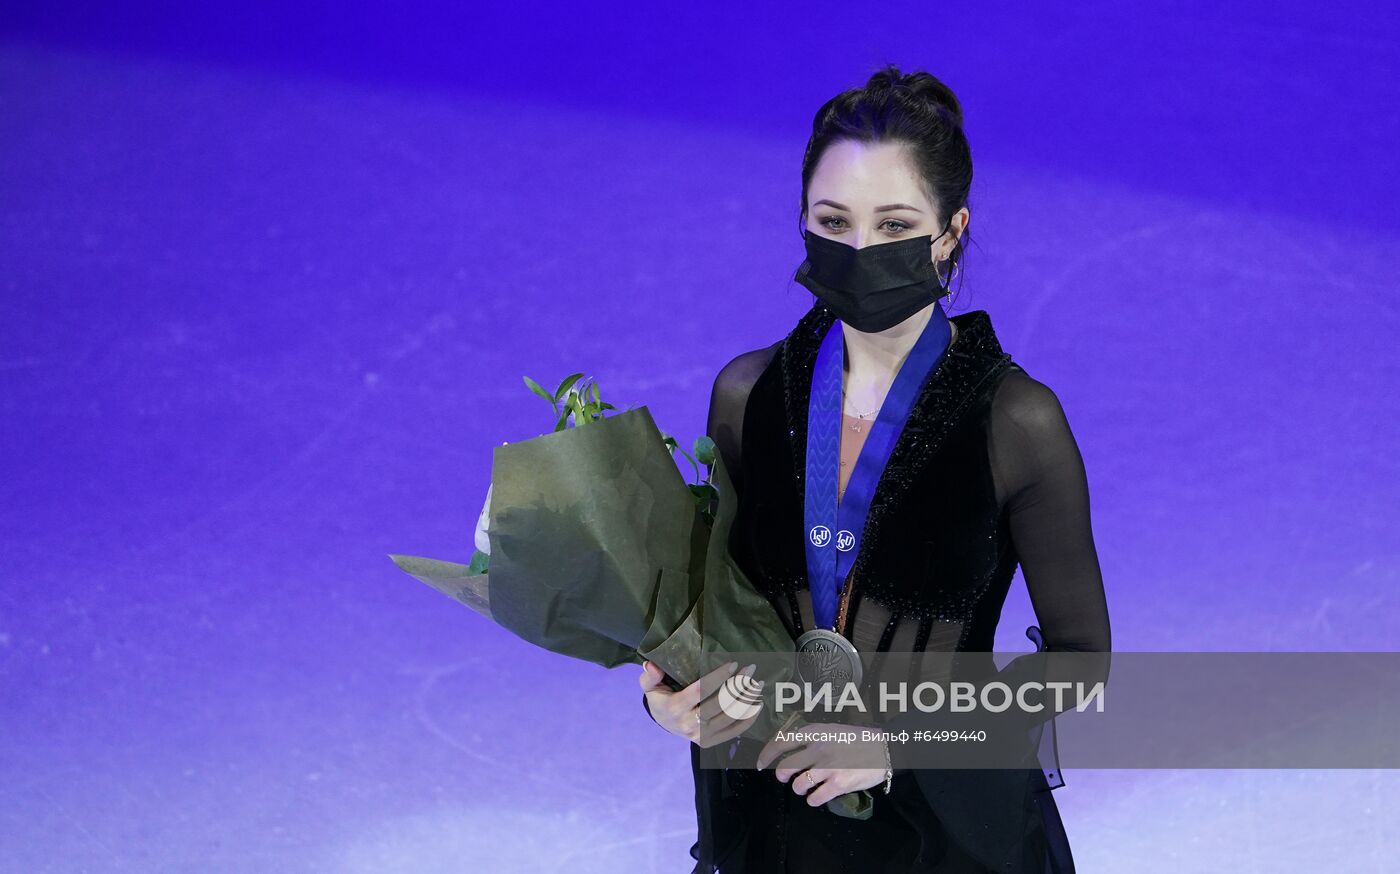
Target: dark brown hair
x=914, y=109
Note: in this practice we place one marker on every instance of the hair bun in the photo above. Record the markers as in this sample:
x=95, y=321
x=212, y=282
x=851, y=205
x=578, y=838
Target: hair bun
x=921, y=87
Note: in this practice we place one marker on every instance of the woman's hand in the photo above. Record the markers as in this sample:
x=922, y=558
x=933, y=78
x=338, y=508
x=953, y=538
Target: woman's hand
x=694, y=712
x=808, y=764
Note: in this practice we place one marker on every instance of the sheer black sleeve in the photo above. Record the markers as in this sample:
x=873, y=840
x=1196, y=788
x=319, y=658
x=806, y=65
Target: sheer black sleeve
x=1038, y=468
x=725, y=422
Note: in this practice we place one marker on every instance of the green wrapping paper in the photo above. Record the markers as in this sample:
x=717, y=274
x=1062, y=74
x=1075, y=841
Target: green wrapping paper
x=599, y=552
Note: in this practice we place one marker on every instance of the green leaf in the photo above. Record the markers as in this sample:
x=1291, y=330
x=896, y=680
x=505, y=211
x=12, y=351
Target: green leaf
x=705, y=495
x=539, y=390
x=564, y=386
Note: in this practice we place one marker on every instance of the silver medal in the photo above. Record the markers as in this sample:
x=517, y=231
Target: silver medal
x=823, y=656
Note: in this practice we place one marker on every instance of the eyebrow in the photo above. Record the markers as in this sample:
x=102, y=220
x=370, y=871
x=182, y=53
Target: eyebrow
x=886, y=208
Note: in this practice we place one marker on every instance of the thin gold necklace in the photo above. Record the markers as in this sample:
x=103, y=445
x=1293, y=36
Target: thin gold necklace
x=953, y=335
x=860, y=415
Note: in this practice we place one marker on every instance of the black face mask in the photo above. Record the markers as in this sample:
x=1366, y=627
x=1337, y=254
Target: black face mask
x=873, y=288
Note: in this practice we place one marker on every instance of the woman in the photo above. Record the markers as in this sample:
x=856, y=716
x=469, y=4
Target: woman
x=984, y=475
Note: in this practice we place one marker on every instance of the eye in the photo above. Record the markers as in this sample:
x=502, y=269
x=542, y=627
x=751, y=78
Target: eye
x=894, y=225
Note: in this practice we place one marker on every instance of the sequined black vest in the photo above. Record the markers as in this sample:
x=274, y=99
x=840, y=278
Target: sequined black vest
x=935, y=546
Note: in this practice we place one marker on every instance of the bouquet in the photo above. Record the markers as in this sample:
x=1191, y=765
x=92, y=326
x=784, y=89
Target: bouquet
x=600, y=550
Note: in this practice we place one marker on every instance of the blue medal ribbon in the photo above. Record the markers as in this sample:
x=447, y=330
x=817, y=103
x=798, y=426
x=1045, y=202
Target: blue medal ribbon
x=834, y=526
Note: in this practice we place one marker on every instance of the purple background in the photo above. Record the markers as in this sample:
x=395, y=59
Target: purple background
x=271, y=278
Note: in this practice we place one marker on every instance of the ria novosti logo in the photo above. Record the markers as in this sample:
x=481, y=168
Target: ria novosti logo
x=741, y=696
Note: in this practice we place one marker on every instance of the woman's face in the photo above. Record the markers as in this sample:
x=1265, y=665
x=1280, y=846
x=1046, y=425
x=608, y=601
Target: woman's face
x=867, y=194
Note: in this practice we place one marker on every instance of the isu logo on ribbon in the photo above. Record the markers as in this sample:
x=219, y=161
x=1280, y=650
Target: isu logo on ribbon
x=820, y=535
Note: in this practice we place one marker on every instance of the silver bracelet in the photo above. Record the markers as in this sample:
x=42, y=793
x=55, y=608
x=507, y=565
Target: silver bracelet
x=889, y=769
